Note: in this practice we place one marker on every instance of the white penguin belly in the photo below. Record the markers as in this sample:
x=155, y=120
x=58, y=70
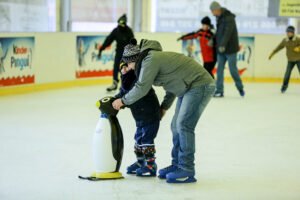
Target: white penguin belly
x=102, y=147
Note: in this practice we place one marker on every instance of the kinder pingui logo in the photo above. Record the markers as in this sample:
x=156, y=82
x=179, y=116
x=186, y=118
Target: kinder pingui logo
x=89, y=62
x=105, y=57
x=22, y=57
x=16, y=61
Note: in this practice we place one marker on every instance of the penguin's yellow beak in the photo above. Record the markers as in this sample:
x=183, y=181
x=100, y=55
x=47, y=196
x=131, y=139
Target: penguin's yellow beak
x=98, y=103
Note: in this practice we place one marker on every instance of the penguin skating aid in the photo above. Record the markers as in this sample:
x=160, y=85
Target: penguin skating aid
x=107, y=144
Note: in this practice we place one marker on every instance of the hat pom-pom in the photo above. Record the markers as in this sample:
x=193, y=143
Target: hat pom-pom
x=133, y=41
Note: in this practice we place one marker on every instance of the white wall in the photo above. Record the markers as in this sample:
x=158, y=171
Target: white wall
x=274, y=68
x=55, y=54
x=55, y=57
x=167, y=40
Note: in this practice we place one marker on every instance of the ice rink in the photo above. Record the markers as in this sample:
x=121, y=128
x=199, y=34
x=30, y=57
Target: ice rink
x=246, y=148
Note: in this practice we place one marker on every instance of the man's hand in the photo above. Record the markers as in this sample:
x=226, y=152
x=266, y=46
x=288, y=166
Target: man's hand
x=117, y=104
x=163, y=112
x=271, y=55
x=221, y=49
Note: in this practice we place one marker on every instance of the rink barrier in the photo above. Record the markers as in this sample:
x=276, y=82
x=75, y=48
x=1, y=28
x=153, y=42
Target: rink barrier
x=51, y=86
x=56, y=66
x=60, y=85
x=263, y=80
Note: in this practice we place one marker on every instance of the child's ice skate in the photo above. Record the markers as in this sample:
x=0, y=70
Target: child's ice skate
x=132, y=169
x=140, y=160
x=149, y=169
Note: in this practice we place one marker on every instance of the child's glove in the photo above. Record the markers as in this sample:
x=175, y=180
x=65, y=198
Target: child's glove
x=271, y=55
x=297, y=49
x=210, y=43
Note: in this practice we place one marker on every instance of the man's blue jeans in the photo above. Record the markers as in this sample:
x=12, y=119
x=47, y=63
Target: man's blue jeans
x=288, y=72
x=187, y=113
x=231, y=58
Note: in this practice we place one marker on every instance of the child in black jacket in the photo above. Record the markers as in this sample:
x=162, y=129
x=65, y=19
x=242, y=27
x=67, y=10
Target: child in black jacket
x=147, y=114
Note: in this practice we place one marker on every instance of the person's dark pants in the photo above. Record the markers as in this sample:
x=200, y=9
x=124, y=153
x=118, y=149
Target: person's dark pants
x=145, y=135
x=118, y=58
x=209, y=66
x=288, y=72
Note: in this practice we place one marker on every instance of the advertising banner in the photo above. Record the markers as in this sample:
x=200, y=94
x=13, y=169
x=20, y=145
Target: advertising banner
x=16, y=61
x=245, y=57
x=289, y=8
x=88, y=63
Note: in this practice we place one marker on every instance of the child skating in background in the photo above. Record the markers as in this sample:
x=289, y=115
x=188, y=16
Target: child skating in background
x=292, y=45
x=147, y=114
x=207, y=44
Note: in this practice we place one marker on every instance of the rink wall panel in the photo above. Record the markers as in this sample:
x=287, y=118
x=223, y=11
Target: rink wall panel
x=55, y=59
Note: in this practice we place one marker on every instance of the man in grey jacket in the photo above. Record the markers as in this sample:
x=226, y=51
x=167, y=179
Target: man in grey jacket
x=180, y=76
x=227, y=47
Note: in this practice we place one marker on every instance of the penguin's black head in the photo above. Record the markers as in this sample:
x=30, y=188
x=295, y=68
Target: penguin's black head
x=105, y=106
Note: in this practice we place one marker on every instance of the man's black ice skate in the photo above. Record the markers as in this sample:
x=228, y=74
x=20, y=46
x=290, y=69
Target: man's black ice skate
x=242, y=92
x=113, y=87
x=218, y=94
x=283, y=89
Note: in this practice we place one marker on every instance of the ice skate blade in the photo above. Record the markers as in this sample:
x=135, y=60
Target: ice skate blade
x=110, y=91
x=132, y=173
x=90, y=178
x=146, y=175
x=182, y=180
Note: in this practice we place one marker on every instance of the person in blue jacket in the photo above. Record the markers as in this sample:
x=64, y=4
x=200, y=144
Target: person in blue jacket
x=147, y=114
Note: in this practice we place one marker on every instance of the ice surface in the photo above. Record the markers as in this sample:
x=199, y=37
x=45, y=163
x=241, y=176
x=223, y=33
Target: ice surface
x=246, y=148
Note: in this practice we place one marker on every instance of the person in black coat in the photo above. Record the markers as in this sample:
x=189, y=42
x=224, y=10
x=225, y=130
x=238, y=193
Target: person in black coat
x=147, y=115
x=227, y=47
x=122, y=35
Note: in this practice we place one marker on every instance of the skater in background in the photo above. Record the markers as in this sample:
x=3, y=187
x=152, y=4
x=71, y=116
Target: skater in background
x=122, y=35
x=207, y=44
x=191, y=49
x=147, y=115
x=180, y=76
x=2, y=57
x=81, y=52
x=292, y=45
x=227, y=47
